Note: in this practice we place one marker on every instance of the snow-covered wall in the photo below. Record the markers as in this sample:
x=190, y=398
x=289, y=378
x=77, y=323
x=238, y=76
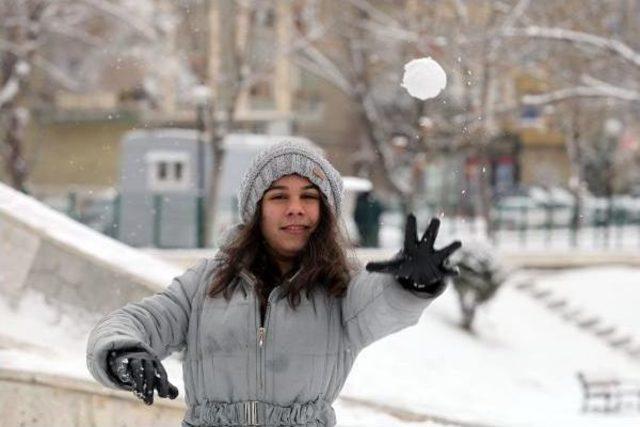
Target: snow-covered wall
x=57, y=278
x=71, y=265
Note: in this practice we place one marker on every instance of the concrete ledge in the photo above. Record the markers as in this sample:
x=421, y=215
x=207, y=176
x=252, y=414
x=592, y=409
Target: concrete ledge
x=38, y=399
x=571, y=259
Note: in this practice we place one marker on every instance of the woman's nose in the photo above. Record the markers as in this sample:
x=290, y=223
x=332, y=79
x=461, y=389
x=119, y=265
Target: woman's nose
x=295, y=206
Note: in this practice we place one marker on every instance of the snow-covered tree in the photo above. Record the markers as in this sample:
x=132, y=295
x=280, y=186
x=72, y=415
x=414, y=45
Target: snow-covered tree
x=480, y=278
x=74, y=45
x=363, y=56
x=592, y=81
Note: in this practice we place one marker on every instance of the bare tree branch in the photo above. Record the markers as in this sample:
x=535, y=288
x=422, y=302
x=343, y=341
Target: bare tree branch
x=17, y=50
x=125, y=16
x=56, y=73
x=393, y=32
x=317, y=70
x=516, y=13
x=462, y=11
x=616, y=47
x=375, y=13
x=326, y=68
x=303, y=41
x=601, y=90
x=75, y=34
x=10, y=90
x=582, y=92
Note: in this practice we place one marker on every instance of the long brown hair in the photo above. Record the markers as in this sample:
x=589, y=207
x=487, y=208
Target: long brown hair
x=323, y=262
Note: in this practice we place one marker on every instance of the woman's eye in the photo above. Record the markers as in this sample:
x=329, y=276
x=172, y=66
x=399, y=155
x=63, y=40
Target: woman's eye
x=305, y=196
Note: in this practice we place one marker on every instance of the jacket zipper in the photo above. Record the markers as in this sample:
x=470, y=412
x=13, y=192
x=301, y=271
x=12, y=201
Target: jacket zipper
x=262, y=338
x=261, y=331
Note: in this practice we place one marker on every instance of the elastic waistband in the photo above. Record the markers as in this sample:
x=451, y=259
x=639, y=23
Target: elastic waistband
x=257, y=413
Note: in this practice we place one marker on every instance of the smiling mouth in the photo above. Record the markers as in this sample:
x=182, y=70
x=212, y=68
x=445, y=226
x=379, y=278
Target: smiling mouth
x=295, y=229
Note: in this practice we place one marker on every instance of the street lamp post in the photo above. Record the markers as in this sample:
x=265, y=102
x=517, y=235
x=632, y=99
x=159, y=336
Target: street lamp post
x=202, y=100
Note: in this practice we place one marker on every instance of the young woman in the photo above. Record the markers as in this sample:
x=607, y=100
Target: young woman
x=273, y=323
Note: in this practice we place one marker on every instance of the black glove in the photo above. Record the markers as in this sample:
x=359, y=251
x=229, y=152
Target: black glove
x=137, y=370
x=418, y=266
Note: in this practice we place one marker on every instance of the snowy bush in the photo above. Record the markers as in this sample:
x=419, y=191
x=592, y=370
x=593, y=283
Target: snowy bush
x=480, y=278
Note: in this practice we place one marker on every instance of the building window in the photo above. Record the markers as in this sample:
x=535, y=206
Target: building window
x=531, y=116
x=162, y=171
x=264, y=16
x=168, y=170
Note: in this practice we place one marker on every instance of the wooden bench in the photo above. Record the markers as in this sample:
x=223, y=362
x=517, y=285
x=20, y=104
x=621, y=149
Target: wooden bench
x=608, y=393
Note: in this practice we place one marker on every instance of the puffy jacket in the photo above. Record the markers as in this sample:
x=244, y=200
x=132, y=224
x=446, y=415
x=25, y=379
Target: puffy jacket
x=237, y=373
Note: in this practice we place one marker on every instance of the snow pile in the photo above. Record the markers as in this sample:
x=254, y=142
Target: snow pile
x=424, y=78
x=41, y=338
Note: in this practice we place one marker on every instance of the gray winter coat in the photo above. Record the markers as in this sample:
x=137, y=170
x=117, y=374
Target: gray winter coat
x=236, y=373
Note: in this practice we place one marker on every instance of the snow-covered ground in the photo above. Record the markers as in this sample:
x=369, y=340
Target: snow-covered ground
x=518, y=370
x=610, y=294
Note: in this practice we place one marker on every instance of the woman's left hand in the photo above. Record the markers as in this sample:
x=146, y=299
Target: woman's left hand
x=419, y=266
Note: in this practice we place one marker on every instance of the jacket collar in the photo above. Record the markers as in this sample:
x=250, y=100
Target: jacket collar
x=250, y=278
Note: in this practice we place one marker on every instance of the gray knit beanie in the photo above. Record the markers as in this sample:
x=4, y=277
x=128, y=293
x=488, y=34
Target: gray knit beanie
x=286, y=158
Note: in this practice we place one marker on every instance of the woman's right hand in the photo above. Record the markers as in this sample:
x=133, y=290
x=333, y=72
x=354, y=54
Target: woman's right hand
x=140, y=372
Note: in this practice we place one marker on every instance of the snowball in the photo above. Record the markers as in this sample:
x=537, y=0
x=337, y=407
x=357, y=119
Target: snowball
x=22, y=68
x=424, y=78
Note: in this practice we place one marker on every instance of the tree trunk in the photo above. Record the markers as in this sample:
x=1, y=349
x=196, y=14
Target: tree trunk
x=576, y=181
x=219, y=153
x=227, y=81
x=468, y=311
x=486, y=190
x=16, y=164
x=485, y=132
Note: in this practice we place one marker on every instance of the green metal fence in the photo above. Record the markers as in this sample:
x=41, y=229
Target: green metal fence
x=604, y=227
x=105, y=216
x=608, y=226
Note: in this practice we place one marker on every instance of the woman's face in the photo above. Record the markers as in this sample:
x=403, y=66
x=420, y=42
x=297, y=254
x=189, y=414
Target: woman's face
x=290, y=213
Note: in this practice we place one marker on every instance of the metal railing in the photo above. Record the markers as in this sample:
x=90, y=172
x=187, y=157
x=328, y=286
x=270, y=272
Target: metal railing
x=607, y=226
